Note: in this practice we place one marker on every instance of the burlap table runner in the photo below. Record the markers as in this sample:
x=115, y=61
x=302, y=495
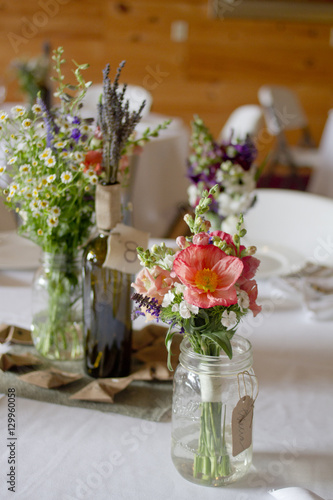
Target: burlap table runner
x=146, y=399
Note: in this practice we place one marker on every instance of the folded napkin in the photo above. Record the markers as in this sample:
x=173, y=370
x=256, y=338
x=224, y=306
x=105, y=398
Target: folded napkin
x=51, y=378
x=10, y=360
x=314, y=283
x=294, y=493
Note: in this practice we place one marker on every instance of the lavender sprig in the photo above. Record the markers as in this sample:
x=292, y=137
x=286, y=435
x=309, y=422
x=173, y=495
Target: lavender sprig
x=116, y=122
x=150, y=305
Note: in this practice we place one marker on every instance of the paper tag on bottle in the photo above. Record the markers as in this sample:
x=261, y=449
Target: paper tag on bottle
x=122, y=244
x=241, y=423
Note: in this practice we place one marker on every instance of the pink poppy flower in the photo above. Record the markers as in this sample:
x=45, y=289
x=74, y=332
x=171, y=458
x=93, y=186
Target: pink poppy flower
x=154, y=283
x=209, y=275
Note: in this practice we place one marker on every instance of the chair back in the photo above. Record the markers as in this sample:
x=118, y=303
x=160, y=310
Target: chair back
x=244, y=121
x=282, y=109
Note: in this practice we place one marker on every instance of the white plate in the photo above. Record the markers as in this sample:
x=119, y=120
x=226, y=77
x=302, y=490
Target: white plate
x=276, y=260
x=17, y=253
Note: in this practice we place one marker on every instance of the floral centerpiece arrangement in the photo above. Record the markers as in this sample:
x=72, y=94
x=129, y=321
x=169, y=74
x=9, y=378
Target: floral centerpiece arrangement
x=202, y=291
x=52, y=190
x=231, y=165
x=54, y=162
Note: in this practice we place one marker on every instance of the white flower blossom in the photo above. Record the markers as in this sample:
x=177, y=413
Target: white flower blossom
x=243, y=300
x=180, y=288
x=168, y=298
x=50, y=161
x=26, y=123
x=2, y=170
x=36, y=108
x=185, y=309
x=229, y=319
x=52, y=221
x=66, y=177
x=3, y=116
x=45, y=154
x=18, y=111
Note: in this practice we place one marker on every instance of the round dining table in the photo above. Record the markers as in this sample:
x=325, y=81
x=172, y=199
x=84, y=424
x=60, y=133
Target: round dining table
x=70, y=453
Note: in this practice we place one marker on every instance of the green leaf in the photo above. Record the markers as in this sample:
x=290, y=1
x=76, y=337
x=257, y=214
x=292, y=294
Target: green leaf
x=221, y=339
x=168, y=342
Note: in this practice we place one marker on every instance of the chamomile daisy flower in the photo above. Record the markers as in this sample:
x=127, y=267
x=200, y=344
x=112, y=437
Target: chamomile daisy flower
x=60, y=144
x=12, y=160
x=3, y=116
x=25, y=168
x=2, y=170
x=40, y=232
x=34, y=205
x=36, y=108
x=18, y=111
x=52, y=221
x=55, y=211
x=51, y=178
x=79, y=156
x=26, y=124
x=45, y=154
x=93, y=179
x=43, y=204
x=36, y=214
x=50, y=161
x=35, y=193
x=66, y=177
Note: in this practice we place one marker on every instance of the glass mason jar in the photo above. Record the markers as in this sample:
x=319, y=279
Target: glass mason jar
x=57, y=307
x=212, y=413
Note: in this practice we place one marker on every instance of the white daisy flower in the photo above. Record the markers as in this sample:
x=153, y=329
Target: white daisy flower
x=26, y=123
x=12, y=160
x=229, y=319
x=25, y=168
x=66, y=177
x=3, y=116
x=52, y=221
x=34, y=163
x=36, y=214
x=37, y=109
x=50, y=161
x=34, y=205
x=45, y=154
x=55, y=211
x=14, y=187
x=40, y=232
x=79, y=156
x=93, y=179
x=43, y=204
x=51, y=178
x=18, y=111
x=60, y=144
x=2, y=170
x=35, y=193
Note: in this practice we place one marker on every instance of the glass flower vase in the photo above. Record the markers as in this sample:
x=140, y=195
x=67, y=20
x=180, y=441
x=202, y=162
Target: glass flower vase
x=212, y=414
x=57, y=307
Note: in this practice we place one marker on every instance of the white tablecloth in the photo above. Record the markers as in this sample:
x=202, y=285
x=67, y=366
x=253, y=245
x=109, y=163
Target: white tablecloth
x=69, y=453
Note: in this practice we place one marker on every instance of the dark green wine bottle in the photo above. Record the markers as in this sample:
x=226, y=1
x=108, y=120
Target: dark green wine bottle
x=107, y=301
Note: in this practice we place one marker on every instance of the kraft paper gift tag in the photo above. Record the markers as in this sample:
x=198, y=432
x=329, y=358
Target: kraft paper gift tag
x=15, y=334
x=9, y=360
x=103, y=390
x=50, y=378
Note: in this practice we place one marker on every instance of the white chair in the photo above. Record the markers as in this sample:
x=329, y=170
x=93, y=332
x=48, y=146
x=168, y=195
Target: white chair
x=134, y=94
x=321, y=181
x=283, y=112
x=247, y=120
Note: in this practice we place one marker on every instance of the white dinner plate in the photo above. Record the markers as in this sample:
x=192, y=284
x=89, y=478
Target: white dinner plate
x=18, y=253
x=277, y=260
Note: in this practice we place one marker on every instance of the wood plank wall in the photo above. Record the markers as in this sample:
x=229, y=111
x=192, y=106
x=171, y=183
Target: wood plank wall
x=220, y=65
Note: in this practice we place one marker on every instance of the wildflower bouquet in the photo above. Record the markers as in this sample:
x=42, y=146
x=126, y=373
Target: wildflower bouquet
x=230, y=165
x=52, y=190
x=202, y=291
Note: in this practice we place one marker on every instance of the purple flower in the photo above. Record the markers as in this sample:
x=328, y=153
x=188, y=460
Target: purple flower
x=76, y=134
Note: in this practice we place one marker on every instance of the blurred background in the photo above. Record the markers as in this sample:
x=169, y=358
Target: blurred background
x=205, y=57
